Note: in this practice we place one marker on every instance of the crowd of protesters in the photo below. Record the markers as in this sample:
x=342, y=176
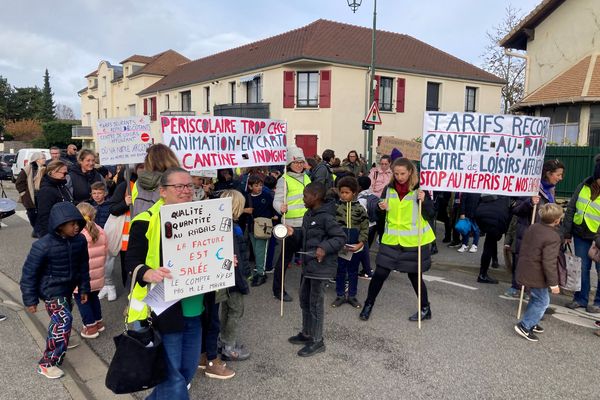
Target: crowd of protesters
x=334, y=210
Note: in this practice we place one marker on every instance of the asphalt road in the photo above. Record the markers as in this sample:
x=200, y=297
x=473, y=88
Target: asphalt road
x=467, y=351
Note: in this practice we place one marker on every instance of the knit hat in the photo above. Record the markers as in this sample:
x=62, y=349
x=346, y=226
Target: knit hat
x=597, y=171
x=396, y=154
x=36, y=156
x=294, y=153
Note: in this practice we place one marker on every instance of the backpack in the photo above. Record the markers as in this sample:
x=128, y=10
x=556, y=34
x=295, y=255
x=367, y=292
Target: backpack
x=372, y=207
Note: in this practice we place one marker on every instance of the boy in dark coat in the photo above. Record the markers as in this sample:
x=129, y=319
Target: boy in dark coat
x=537, y=268
x=322, y=239
x=56, y=265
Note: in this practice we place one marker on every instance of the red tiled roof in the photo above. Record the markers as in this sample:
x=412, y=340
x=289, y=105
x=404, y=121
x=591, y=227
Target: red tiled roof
x=326, y=41
x=138, y=59
x=570, y=86
x=162, y=63
x=518, y=37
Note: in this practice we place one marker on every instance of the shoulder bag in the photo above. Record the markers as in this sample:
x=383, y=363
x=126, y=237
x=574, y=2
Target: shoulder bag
x=262, y=226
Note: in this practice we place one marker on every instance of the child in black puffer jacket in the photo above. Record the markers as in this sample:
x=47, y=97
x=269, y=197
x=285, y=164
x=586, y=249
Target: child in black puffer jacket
x=322, y=239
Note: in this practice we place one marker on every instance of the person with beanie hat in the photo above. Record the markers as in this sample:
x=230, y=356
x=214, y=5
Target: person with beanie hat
x=396, y=154
x=289, y=203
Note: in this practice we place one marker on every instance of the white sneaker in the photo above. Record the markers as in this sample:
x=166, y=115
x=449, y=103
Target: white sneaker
x=473, y=249
x=112, y=292
x=52, y=372
x=463, y=248
x=103, y=292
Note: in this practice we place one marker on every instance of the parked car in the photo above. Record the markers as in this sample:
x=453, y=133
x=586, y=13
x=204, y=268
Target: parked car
x=22, y=160
x=6, y=162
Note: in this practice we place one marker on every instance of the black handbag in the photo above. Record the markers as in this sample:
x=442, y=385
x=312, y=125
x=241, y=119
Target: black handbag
x=139, y=362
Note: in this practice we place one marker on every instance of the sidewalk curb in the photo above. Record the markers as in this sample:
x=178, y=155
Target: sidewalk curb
x=84, y=370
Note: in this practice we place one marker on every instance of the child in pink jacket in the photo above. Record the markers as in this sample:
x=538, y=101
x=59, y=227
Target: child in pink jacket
x=91, y=313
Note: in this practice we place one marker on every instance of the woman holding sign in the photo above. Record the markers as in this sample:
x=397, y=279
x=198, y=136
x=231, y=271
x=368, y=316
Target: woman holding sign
x=399, y=246
x=180, y=324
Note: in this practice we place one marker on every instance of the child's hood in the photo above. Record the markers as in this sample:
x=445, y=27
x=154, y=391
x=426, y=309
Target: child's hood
x=64, y=212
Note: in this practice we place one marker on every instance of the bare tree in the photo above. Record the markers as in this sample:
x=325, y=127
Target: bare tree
x=64, y=112
x=509, y=68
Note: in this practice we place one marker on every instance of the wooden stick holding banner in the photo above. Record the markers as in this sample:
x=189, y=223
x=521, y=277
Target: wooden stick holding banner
x=419, y=266
x=283, y=250
x=523, y=286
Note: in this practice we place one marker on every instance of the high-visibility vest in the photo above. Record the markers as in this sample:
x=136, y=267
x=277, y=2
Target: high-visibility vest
x=138, y=309
x=587, y=210
x=125, y=230
x=401, y=222
x=295, y=196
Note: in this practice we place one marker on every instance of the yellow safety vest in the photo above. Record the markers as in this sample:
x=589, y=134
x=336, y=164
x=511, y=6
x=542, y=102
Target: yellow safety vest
x=139, y=309
x=401, y=226
x=295, y=196
x=587, y=210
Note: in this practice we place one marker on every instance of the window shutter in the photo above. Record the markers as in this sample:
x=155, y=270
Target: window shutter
x=378, y=81
x=153, y=111
x=288, y=89
x=145, y=106
x=400, y=93
x=325, y=89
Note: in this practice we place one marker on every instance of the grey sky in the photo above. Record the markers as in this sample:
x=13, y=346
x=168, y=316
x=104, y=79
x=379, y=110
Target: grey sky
x=70, y=37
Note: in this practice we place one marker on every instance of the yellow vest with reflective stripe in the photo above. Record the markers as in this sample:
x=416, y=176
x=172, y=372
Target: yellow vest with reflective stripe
x=587, y=210
x=295, y=196
x=401, y=221
x=139, y=310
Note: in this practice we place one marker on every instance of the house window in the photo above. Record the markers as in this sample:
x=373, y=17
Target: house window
x=167, y=101
x=308, y=88
x=433, y=97
x=103, y=86
x=132, y=110
x=470, y=99
x=152, y=108
x=564, y=124
x=207, y=99
x=186, y=100
x=88, y=119
x=254, y=90
x=105, y=113
x=594, y=127
x=232, y=92
x=385, y=94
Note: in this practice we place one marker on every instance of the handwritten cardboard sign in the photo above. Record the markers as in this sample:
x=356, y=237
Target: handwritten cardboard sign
x=225, y=142
x=483, y=153
x=123, y=140
x=197, y=245
x=409, y=148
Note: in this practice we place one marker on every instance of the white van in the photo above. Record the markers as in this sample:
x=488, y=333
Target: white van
x=22, y=160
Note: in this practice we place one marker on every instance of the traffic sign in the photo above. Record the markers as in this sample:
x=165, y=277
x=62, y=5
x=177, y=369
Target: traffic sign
x=373, y=117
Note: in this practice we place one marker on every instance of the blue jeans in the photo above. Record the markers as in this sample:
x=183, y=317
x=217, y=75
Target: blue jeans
x=91, y=310
x=539, y=299
x=581, y=250
x=475, y=232
x=183, y=354
x=349, y=267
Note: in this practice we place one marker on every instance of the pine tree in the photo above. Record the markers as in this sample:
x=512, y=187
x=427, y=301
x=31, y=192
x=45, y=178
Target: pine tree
x=47, y=111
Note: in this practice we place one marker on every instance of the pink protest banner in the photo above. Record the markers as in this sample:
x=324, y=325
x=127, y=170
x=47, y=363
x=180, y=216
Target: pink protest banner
x=483, y=153
x=203, y=143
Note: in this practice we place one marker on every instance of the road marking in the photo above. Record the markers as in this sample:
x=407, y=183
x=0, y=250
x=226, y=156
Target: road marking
x=22, y=214
x=431, y=278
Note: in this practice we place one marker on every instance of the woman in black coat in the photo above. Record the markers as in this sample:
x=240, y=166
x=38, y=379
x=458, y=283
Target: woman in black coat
x=53, y=189
x=82, y=175
x=493, y=215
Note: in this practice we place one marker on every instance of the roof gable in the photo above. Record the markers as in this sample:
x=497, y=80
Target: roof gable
x=161, y=63
x=327, y=41
x=519, y=36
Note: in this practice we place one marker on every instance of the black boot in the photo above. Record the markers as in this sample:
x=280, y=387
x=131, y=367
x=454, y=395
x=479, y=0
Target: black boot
x=486, y=279
x=434, y=249
x=425, y=314
x=312, y=348
x=366, y=311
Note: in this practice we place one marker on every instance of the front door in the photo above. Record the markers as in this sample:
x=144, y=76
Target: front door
x=308, y=144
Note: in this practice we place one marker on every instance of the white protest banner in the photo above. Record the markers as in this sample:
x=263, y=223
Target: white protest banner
x=123, y=140
x=483, y=153
x=205, y=173
x=225, y=142
x=197, y=245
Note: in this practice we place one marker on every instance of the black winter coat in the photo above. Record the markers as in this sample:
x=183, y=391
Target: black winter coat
x=468, y=204
x=243, y=270
x=523, y=209
x=493, y=214
x=51, y=191
x=81, y=183
x=55, y=265
x=319, y=229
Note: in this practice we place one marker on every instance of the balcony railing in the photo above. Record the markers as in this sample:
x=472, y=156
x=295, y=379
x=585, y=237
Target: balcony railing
x=246, y=110
x=81, y=132
x=178, y=113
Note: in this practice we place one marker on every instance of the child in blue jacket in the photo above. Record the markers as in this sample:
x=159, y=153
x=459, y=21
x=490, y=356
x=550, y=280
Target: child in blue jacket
x=55, y=266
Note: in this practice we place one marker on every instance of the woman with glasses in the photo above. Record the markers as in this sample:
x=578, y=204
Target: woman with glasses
x=353, y=164
x=53, y=189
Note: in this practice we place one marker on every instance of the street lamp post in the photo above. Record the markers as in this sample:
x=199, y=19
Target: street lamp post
x=354, y=4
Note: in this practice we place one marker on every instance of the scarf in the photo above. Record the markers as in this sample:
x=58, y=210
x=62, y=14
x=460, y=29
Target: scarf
x=401, y=188
x=548, y=190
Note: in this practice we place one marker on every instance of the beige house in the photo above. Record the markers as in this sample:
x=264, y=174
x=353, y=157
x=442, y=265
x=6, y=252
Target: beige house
x=317, y=79
x=562, y=41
